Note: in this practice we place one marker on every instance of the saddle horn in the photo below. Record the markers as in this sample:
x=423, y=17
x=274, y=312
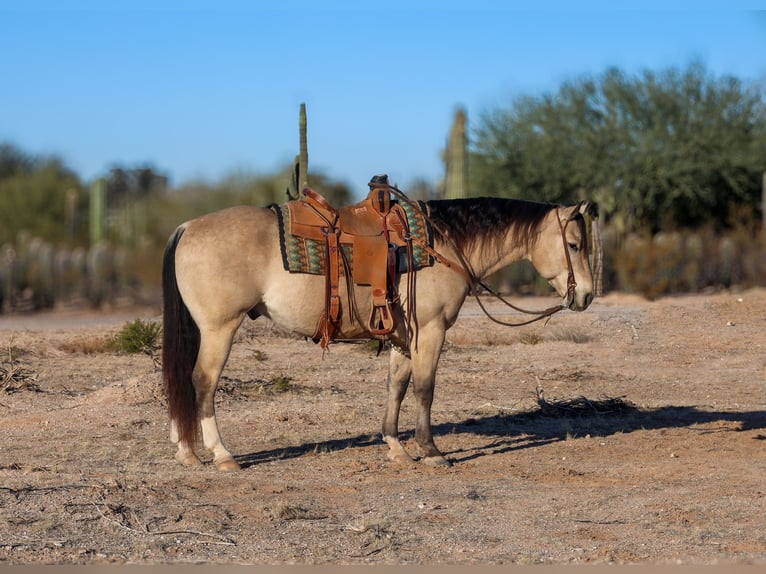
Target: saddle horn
x=381, y=200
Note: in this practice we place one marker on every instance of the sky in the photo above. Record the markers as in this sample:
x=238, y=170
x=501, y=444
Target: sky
x=203, y=89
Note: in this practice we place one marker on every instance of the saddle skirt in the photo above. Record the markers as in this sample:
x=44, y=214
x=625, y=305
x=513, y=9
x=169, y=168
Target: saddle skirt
x=369, y=243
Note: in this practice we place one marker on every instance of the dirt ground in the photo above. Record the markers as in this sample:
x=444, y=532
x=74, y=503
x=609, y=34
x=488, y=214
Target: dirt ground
x=632, y=433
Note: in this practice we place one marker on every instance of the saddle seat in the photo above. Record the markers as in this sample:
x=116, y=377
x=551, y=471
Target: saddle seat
x=371, y=231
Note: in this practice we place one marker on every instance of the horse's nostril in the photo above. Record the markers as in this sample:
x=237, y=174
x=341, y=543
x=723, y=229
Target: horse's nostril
x=588, y=299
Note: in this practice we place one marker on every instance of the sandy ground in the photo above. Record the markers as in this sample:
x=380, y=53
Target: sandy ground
x=634, y=432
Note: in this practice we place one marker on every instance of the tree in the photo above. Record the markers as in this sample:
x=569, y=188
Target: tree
x=659, y=150
x=125, y=184
x=13, y=161
x=33, y=196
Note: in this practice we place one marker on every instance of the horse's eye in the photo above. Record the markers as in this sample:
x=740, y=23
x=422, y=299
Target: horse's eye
x=574, y=247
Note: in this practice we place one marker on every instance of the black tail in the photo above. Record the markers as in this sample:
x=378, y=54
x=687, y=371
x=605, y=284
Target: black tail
x=180, y=346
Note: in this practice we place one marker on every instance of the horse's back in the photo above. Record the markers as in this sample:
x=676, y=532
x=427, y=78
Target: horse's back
x=237, y=224
x=222, y=257
x=234, y=234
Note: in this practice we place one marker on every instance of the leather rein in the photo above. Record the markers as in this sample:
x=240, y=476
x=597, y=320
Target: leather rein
x=463, y=267
x=545, y=313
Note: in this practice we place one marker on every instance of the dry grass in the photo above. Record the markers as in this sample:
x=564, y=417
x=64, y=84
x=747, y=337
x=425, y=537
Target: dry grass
x=282, y=511
x=14, y=377
x=464, y=337
x=134, y=337
x=569, y=335
x=530, y=336
x=89, y=345
x=531, y=339
x=258, y=388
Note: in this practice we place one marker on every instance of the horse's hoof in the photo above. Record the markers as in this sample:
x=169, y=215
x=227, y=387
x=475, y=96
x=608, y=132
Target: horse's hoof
x=189, y=459
x=227, y=465
x=400, y=458
x=436, y=461
x=396, y=452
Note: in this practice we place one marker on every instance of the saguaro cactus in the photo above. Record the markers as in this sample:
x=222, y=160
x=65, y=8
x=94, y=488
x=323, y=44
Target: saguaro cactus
x=40, y=274
x=303, y=172
x=456, y=158
x=299, y=178
x=98, y=211
x=71, y=213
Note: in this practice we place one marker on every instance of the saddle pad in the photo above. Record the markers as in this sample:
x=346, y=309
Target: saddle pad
x=305, y=255
x=420, y=228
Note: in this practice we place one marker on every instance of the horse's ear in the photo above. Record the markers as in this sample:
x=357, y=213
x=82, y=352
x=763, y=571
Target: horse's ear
x=588, y=208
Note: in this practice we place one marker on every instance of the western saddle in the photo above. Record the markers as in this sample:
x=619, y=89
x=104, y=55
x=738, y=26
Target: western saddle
x=363, y=242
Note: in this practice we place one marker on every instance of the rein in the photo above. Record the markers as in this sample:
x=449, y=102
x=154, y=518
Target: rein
x=545, y=313
x=463, y=267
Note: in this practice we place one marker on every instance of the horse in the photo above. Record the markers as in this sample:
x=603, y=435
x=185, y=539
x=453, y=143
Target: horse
x=224, y=266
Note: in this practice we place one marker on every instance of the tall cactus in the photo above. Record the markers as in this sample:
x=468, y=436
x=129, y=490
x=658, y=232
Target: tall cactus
x=456, y=184
x=98, y=211
x=303, y=178
x=299, y=176
x=71, y=213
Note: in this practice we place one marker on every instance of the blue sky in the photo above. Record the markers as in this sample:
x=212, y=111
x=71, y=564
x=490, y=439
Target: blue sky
x=202, y=89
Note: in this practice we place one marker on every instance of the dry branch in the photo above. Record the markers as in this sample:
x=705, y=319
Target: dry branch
x=123, y=512
x=14, y=377
x=581, y=406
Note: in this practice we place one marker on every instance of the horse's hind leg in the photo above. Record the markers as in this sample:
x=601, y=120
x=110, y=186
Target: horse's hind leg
x=215, y=345
x=399, y=371
x=185, y=453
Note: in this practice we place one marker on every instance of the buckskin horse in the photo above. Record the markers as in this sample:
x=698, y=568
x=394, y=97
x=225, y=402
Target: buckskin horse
x=224, y=266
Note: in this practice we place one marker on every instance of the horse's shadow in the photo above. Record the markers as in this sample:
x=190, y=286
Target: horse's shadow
x=551, y=422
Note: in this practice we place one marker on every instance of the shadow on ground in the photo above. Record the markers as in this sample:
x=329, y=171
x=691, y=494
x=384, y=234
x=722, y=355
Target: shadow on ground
x=549, y=422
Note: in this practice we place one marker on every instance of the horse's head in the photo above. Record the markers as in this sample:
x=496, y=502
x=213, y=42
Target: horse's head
x=560, y=254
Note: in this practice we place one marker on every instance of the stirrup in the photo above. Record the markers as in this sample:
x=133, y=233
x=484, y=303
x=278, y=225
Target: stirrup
x=381, y=317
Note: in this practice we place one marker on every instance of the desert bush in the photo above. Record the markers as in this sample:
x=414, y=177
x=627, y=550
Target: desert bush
x=138, y=337
x=687, y=262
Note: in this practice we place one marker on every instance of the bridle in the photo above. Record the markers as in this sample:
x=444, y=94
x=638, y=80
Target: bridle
x=463, y=267
x=550, y=311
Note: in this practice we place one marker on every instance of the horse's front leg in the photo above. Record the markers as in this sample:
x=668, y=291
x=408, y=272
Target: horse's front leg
x=399, y=371
x=424, y=362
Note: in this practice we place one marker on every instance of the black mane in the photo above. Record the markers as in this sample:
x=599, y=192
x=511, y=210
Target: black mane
x=465, y=222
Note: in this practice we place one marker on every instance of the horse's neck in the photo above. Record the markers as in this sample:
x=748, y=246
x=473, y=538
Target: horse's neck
x=485, y=261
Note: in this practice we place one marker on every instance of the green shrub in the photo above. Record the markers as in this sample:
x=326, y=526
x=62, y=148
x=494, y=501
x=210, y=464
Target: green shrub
x=138, y=337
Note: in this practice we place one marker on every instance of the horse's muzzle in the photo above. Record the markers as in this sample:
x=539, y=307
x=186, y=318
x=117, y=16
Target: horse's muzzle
x=573, y=304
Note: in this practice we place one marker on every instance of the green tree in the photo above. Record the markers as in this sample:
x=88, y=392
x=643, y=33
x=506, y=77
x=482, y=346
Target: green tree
x=676, y=148
x=126, y=184
x=33, y=196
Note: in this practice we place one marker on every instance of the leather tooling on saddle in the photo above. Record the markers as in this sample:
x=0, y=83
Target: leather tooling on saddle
x=369, y=243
